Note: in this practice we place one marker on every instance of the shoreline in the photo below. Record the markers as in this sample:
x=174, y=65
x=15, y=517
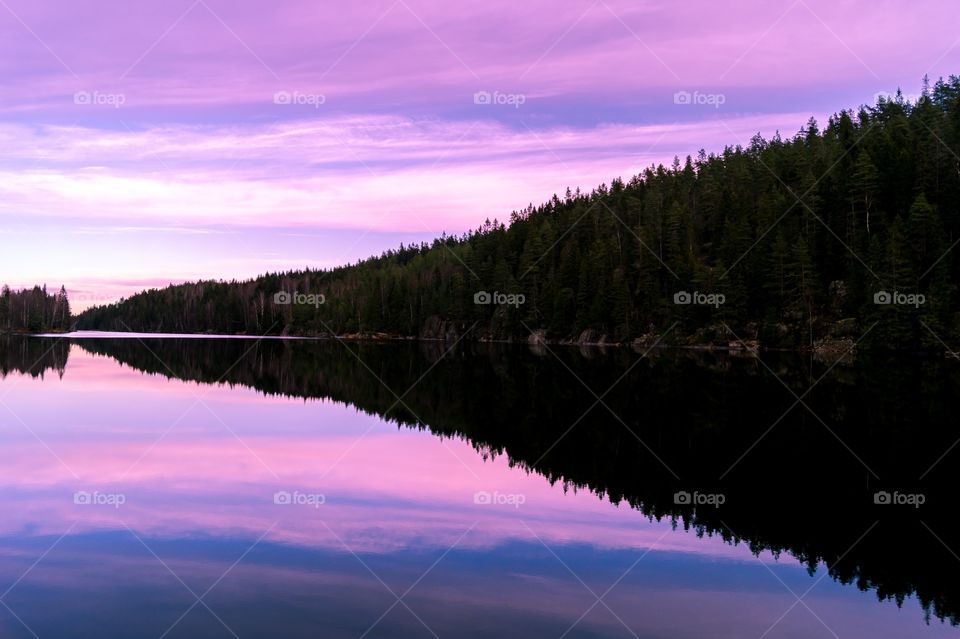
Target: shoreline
x=839, y=348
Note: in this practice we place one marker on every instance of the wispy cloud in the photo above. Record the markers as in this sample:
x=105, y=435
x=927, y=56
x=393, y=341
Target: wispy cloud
x=375, y=172
x=225, y=138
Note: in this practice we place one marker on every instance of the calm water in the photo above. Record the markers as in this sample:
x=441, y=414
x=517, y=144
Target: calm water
x=234, y=488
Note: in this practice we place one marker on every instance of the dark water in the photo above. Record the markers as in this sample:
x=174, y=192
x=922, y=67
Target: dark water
x=242, y=488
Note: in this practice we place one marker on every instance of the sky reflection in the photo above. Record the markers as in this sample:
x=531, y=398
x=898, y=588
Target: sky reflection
x=197, y=469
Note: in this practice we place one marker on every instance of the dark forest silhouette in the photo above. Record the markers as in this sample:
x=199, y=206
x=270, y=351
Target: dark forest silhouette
x=801, y=236
x=34, y=310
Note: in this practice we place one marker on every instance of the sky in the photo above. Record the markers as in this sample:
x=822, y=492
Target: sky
x=164, y=141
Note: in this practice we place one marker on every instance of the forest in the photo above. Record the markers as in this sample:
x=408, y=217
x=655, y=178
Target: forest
x=839, y=232
x=34, y=310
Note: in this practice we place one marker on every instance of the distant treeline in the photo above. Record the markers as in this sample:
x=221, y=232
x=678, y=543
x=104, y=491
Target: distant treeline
x=821, y=235
x=34, y=310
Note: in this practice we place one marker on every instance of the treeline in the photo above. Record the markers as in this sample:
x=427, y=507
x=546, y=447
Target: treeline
x=34, y=310
x=790, y=240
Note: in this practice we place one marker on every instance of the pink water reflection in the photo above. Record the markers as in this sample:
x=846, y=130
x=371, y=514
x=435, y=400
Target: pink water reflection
x=191, y=458
x=197, y=469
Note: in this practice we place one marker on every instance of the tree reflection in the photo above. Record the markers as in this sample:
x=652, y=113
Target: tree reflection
x=798, y=467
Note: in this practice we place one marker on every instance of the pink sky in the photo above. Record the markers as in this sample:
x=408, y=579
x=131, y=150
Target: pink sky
x=164, y=141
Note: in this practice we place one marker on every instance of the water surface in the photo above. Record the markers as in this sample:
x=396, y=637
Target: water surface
x=184, y=488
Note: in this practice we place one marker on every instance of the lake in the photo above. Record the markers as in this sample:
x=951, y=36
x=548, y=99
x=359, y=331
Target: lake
x=167, y=487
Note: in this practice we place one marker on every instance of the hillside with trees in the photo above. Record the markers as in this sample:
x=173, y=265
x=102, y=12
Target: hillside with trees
x=833, y=233
x=34, y=310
